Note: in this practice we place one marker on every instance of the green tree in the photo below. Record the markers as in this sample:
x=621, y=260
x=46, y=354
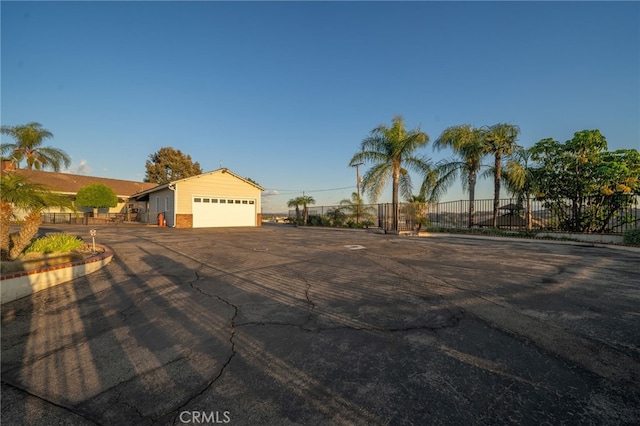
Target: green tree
x=306, y=201
x=583, y=183
x=96, y=195
x=520, y=180
x=501, y=139
x=168, y=165
x=336, y=216
x=469, y=146
x=28, y=146
x=392, y=152
x=295, y=202
x=357, y=209
x=17, y=192
x=418, y=211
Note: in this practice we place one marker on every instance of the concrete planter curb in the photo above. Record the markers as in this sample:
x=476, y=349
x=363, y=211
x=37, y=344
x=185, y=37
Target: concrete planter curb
x=21, y=284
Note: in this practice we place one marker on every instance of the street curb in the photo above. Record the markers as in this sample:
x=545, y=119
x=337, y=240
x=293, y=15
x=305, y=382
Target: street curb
x=530, y=240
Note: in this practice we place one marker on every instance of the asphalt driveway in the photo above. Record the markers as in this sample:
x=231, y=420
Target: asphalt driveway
x=282, y=325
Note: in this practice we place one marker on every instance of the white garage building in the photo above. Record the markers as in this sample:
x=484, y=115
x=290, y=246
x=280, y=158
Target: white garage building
x=215, y=199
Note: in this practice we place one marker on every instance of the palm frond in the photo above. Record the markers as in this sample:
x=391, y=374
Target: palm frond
x=405, y=184
x=445, y=173
x=375, y=180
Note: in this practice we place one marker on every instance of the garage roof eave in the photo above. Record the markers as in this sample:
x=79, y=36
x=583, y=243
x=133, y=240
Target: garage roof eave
x=142, y=195
x=222, y=170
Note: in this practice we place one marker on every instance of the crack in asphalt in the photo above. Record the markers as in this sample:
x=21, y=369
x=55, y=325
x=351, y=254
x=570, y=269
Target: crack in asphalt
x=195, y=395
x=592, y=355
x=47, y=401
x=503, y=317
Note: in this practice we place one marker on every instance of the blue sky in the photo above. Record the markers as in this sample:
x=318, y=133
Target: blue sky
x=284, y=92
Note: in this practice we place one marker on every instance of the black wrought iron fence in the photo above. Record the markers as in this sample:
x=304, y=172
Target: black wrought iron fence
x=513, y=214
x=88, y=218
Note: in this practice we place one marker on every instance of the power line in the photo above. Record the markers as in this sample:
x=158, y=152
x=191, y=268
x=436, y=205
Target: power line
x=283, y=191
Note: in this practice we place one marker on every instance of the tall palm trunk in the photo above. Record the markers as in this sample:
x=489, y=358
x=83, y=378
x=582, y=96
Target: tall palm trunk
x=529, y=214
x=27, y=232
x=5, y=220
x=394, y=195
x=472, y=198
x=497, y=175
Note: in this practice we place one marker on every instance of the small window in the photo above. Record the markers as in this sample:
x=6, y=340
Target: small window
x=230, y=201
x=205, y=200
x=223, y=201
x=244, y=201
x=197, y=200
x=237, y=201
x=214, y=200
x=251, y=202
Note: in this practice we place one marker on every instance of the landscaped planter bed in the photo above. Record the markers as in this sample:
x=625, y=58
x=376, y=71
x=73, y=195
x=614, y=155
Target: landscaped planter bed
x=61, y=269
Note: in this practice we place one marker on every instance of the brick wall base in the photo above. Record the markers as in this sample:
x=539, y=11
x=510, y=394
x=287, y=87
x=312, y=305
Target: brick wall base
x=184, y=221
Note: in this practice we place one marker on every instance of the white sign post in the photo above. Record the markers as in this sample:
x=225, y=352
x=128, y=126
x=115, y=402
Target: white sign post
x=93, y=233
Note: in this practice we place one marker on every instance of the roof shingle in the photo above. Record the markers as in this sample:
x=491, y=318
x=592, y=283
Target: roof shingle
x=71, y=184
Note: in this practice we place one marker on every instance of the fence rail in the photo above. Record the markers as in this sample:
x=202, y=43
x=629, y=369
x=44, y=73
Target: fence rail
x=513, y=215
x=88, y=218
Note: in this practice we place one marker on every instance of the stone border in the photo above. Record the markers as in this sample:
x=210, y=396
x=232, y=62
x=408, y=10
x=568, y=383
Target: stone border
x=21, y=284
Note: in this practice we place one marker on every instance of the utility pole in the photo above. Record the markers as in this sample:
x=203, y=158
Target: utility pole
x=357, y=166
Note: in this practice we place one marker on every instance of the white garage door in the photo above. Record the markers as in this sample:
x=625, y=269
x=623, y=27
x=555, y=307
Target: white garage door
x=214, y=211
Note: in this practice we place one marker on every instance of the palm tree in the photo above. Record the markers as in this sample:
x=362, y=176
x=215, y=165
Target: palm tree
x=470, y=146
x=391, y=149
x=306, y=200
x=357, y=208
x=336, y=216
x=418, y=206
x=16, y=191
x=417, y=199
x=501, y=139
x=520, y=180
x=28, y=147
x=295, y=202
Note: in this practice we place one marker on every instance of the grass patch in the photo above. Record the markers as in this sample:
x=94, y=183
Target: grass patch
x=55, y=243
x=51, y=250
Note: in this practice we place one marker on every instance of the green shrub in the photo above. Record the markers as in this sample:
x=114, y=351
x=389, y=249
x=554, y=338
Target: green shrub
x=55, y=243
x=631, y=237
x=360, y=225
x=319, y=221
x=366, y=224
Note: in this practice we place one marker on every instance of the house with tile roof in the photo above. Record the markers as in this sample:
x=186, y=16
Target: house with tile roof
x=70, y=184
x=219, y=198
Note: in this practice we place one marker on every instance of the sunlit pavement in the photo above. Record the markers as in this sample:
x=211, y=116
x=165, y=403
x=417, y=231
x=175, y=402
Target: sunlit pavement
x=283, y=325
